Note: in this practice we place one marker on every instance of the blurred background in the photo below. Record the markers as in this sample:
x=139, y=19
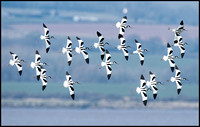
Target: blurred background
x=21, y=27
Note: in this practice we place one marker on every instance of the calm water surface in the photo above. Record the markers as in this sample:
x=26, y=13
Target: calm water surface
x=61, y=116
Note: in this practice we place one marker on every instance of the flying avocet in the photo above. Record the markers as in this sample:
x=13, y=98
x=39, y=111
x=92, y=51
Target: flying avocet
x=37, y=64
x=68, y=50
x=123, y=46
x=100, y=44
x=17, y=62
x=170, y=57
x=152, y=83
x=108, y=64
x=178, y=42
x=46, y=37
x=142, y=90
x=139, y=51
x=81, y=49
x=177, y=79
x=122, y=25
x=180, y=29
x=68, y=83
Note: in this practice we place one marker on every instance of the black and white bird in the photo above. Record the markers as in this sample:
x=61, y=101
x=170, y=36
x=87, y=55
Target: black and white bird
x=142, y=90
x=180, y=29
x=17, y=62
x=101, y=44
x=152, y=84
x=68, y=83
x=46, y=37
x=177, y=79
x=123, y=46
x=81, y=49
x=140, y=51
x=178, y=41
x=108, y=64
x=170, y=57
x=122, y=25
x=37, y=64
x=43, y=78
x=68, y=50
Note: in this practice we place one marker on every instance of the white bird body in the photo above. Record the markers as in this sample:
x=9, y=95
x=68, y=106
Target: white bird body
x=68, y=83
x=142, y=90
x=68, y=50
x=81, y=49
x=180, y=29
x=17, y=62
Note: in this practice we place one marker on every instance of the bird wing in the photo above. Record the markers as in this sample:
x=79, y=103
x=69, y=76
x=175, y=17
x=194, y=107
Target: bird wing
x=46, y=30
x=152, y=77
x=178, y=84
x=125, y=51
x=108, y=70
x=80, y=42
x=69, y=42
x=171, y=62
x=181, y=26
x=71, y=91
x=85, y=54
x=141, y=56
x=19, y=67
x=139, y=46
x=15, y=57
x=108, y=56
x=68, y=77
x=169, y=51
x=142, y=82
x=101, y=38
x=178, y=72
x=37, y=57
x=47, y=44
x=124, y=20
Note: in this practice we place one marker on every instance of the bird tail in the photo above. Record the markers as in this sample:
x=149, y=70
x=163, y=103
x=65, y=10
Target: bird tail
x=12, y=62
x=172, y=79
x=41, y=37
x=118, y=24
x=32, y=65
x=63, y=50
x=118, y=47
x=103, y=64
x=95, y=45
x=138, y=90
x=78, y=50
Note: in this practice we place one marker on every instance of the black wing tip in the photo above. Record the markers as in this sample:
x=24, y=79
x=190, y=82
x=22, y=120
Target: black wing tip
x=142, y=77
x=150, y=73
x=43, y=87
x=172, y=69
x=87, y=60
x=168, y=45
x=11, y=52
x=107, y=51
x=38, y=77
x=120, y=36
x=67, y=73
x=142, y=62
x=102, y=57
x=181, y=23
x=69, y=63
x=47, y=50
x=36, y=52
x=145, y=102
x=68, y=38
x=98, y=34
x=154, y=96
x=73, y=96
x=136, y=41
x=20, y=72
x=126, y=57
x=108, y=76
x=125, y=17
x=176, y=66
x=44, y=25
x=77, y=38
x=178, y=91
x=182, y=55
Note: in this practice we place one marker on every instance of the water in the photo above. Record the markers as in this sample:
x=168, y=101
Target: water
x=61, y=116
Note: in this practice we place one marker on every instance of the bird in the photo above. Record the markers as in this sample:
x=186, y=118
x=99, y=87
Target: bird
x=139, y=51
x=170, y=57
x=101, y=44
x=68, y=83
x=122, y=25
x=37, y=64
x=43, y=78
x=142, y=90
x=46, y=37
x=15, y=61
x=123, y=46
x=68, y=50
x=178, y=42
x=152, y=83
x=108, y=64
x=177, y=79
x=180, y=29
x=82, y=49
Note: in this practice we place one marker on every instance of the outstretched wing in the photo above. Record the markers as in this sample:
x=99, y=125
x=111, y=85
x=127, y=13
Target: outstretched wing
x=139, y=46
x=46, y=30
x=141, y=56
x=37, y=57
x=152, y=77
x=47, y=45
x=109, y=71
x=101, y=38
x=71, y=91
x=15, y=57
x=169, y=50
x=19, y=68
x=108, y=56
x=178, y=72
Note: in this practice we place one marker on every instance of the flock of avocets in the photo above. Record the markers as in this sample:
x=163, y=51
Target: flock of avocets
x=68, y=83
